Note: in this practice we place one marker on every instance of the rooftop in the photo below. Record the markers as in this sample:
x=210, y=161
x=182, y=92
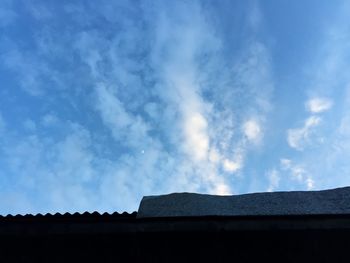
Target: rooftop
x=184, y=227
x=326, y=202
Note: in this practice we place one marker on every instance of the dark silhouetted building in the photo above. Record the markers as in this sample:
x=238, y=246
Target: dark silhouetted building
x=261, y=227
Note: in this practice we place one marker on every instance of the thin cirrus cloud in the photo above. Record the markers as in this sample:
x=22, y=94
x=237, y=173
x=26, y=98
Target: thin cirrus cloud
x=297, y=172
x=299, y=138
x=274, y=179
x=292, y=172
x=318, y=105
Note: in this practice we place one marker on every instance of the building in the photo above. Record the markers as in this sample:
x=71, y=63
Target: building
x=264, y=227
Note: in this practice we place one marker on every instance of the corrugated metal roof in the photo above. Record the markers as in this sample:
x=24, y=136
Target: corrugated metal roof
x=71, y=216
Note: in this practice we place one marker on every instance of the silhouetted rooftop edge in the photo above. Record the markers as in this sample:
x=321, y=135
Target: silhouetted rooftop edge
x=333, y=201
x=88, y=215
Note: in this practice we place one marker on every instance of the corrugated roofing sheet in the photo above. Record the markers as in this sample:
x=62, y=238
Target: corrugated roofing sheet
x=85, y=215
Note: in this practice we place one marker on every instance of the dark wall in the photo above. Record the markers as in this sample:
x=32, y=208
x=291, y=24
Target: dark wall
x=236, y=246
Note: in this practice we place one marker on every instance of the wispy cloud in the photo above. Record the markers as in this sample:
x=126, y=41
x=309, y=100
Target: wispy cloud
x=318, y=105
x=274, y=180
x=299, y=138
x=57, y=170
x=125, y=127
x=232, y=165
x=252, y=130
x=327, y=104
x=292, y=174
x=179, y=71
x=148, y=105
x=310, y=183
x=297, y=172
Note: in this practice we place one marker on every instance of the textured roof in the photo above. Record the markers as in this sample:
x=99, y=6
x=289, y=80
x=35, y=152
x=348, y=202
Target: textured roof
x=53, y=224
x=326, y=202
x=197, y=213
x=70, y=216
x=123, y=237
x=335, y=201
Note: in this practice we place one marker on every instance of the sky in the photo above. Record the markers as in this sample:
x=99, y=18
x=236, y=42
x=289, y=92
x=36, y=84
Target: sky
x=104, y=102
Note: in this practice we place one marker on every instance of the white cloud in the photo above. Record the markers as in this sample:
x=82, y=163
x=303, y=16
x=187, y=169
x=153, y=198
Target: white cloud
x=181, y=141
x=111, y=108
x=126, y=127
x=75, y=178
x=252, y=130
x=318, y=105
x=274, y=179
x=285, y=163
x=310, y=183
x=178, y=115
x=330, y=165
x=232, y=166
x=300, y=137
x=297, y=172
x=197, y=140
x=312, y=121
x=206, y=133
x=179, y=71
x=214, y=156
x=327, y=165
x=222, y=189
x=57, y=170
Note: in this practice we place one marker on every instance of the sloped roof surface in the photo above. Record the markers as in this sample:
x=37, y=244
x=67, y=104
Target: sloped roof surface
x=334, y=201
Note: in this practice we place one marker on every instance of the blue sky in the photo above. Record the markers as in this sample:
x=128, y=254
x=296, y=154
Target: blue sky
x=103, y=102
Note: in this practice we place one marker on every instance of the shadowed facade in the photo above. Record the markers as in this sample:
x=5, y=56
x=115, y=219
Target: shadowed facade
x=189, y=228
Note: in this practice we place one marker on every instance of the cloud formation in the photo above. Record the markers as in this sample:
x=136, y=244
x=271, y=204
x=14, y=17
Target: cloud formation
x=300, y=137
x=288, y=175
x=274, y=180
x=102, y=103
x=252, y=130
x=328, y=97
x=318, y=105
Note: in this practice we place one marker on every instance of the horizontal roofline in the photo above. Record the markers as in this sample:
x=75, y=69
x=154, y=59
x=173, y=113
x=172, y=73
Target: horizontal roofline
x=110, y=225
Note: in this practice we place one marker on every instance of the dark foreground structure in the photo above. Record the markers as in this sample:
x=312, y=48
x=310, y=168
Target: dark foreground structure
x=262, y=227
